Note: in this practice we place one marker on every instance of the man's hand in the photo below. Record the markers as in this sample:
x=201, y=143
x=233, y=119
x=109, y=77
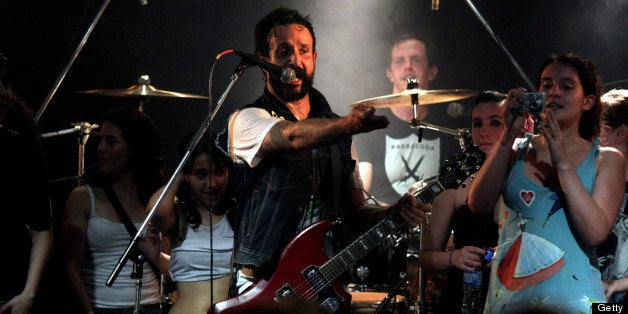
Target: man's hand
x=411, y=211
x=362, y=119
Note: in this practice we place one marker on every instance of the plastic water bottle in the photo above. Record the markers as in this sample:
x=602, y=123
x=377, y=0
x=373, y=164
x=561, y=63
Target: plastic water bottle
x=471, y=287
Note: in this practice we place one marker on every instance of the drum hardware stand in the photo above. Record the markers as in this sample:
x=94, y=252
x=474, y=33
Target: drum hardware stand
x=390, y=245
x=144, y=82
x=415, y=123
x=384, y=304
x=413, y=83
x=460, y=134
x=362, y=272
x=422, y=279
x=84, y=129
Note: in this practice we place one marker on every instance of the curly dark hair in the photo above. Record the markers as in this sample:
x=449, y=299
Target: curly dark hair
x=489, y=95
x=147, y=151
x=18, y=116
x=184, y=193
x=279, y=16
x=615, y=108
x=589, y=127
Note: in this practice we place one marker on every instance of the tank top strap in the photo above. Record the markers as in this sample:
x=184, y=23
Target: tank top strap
x=92, y=199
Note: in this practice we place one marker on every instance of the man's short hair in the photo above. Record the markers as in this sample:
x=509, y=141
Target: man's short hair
x=430, y=48
x=279, y=16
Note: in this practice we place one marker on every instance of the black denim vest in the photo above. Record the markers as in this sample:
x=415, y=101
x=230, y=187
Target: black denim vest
x=272, y=196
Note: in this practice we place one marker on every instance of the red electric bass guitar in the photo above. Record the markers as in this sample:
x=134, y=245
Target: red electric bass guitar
x=306, y=272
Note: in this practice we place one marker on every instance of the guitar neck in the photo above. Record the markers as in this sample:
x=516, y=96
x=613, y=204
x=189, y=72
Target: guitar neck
x=372, y=238
x=428, y=193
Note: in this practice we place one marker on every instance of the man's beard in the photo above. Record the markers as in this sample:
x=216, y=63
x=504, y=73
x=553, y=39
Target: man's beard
x=286, y=93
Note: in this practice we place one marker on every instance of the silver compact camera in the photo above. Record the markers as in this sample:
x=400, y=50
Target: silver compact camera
x=533, y=103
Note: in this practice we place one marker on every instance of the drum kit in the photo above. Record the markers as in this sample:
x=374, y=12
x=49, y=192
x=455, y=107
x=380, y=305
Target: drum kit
x=422, y=292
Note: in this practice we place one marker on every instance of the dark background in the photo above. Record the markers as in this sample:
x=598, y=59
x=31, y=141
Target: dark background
x=176, y=42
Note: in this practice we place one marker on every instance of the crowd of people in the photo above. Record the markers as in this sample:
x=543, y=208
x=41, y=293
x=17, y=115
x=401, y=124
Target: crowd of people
x=289, y=179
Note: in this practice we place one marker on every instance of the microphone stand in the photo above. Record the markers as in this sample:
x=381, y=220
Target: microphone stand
x=63, y=73
x=197, y=137
x=501, y=45
x=138, y=274
x=384, y=304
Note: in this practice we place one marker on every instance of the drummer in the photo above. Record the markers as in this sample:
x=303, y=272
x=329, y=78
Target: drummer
x=394, y=158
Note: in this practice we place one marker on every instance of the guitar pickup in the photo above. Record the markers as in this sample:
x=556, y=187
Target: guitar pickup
x=284, y=292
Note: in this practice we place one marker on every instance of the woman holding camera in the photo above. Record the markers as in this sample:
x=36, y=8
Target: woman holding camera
x=562, y=194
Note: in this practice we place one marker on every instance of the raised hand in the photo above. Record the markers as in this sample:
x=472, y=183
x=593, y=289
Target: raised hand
x=362, y=119
x=555, y=140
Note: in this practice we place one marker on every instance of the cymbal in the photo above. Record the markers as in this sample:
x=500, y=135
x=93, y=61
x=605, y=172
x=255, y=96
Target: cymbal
x=426, y=97
x=142, y=89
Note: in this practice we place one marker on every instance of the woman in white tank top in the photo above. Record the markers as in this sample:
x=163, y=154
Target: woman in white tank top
x=194, y=216
x=129, y=158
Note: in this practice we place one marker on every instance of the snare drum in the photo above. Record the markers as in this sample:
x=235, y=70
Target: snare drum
x=367, y=302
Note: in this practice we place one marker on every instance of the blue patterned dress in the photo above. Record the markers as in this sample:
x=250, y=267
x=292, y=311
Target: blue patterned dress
x=541, y=265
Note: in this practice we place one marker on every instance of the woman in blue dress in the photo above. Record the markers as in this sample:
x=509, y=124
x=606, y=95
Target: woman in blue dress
x=562, y=193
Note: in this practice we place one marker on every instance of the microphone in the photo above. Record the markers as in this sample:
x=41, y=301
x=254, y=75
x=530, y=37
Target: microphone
x=456, y=110
x=286, y=74
x=435, y=5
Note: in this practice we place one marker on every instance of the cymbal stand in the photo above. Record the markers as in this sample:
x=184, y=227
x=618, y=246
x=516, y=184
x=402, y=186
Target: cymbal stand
x=144, y=82
x=84, y=129
x=460, y=134
x=416, y=124
x=413, y=83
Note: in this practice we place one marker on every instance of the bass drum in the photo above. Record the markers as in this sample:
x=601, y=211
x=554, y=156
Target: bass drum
x=368, y=302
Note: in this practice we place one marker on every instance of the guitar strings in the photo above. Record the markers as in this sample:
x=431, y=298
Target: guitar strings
x=309, y=290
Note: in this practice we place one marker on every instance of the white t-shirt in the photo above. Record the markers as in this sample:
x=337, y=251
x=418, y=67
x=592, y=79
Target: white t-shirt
x=247, y=130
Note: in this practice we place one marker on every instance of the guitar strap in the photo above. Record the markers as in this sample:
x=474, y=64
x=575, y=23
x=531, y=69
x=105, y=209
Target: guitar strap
x=336, y=213
x=126, y=220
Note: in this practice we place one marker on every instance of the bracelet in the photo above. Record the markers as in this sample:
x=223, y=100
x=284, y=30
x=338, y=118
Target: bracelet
x=450, y=254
